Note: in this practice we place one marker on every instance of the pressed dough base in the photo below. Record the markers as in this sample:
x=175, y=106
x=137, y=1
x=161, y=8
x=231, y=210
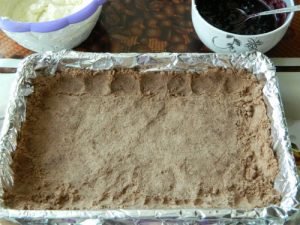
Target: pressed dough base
x=124, y=139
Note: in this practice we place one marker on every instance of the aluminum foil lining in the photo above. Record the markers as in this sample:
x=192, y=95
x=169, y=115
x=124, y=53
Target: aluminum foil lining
x=287, y=181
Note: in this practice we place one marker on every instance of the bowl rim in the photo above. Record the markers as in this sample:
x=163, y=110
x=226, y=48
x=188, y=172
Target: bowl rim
x=53, y=25
x=282, y=26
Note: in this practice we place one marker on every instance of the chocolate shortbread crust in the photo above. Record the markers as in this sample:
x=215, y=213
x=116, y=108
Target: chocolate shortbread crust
x=126, y=139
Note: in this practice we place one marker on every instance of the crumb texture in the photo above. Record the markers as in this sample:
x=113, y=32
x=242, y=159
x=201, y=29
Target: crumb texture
x=125, y=139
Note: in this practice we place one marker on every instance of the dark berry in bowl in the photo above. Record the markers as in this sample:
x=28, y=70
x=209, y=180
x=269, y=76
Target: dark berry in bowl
x=277, y=4
x=221, y=14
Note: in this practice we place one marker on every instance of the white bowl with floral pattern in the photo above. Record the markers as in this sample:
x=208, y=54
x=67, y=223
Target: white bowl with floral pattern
x=224, y=42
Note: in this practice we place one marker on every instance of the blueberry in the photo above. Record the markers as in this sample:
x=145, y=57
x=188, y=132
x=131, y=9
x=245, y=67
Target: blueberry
x=218, y=14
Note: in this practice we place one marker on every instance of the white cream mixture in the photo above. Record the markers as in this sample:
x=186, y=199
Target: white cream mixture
x=45, y=10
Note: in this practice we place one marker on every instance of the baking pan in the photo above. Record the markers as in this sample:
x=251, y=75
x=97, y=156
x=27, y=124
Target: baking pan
x=286, y=182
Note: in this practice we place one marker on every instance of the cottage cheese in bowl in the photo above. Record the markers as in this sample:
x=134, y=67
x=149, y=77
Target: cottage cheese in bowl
x=49, y=25
x=45, y=10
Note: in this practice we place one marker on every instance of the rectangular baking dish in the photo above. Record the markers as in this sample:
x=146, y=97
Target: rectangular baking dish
x=286, y=182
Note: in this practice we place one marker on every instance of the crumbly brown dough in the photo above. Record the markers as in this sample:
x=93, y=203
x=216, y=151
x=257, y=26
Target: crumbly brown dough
x=125, y=139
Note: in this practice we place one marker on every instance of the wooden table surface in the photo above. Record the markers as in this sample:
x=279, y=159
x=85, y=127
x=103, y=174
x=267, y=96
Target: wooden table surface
x=151, y=26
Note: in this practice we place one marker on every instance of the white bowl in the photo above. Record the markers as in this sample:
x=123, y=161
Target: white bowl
x=224, y=42
x=63, y=33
